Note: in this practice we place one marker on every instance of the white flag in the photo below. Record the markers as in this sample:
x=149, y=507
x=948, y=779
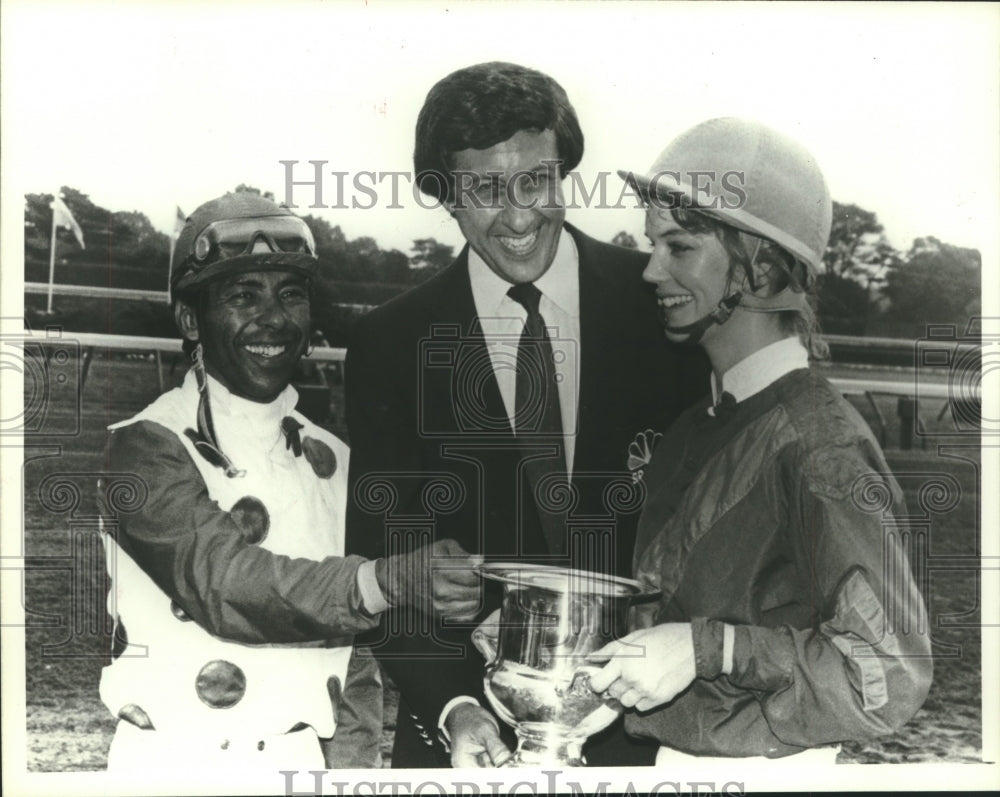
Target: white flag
x=61, y=217
x=179, y=222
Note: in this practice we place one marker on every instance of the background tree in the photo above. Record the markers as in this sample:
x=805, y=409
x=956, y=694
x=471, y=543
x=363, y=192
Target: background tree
x=428, y=253
x=936, y=283
x=855, y=263
x=331, y=242
x=124, y=250
x=249, y=189
x=866, y=286
x=392, y=266
x=625, y=240
x=135, y=241
x=93, y=220
x=856, y=242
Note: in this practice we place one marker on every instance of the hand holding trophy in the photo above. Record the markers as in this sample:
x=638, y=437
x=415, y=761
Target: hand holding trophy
x=538, y=647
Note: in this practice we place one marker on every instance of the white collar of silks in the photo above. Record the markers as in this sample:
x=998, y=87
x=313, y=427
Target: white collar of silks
x=761, y=369
x=248, y=429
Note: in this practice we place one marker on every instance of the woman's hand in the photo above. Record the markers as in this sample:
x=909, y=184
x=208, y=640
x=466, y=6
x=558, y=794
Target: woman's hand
x=648, y=667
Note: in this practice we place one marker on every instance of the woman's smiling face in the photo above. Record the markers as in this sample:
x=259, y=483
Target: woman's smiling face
x=690, y=271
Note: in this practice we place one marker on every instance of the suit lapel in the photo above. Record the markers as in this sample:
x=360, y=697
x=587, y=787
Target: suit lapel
x=542, y=496
x=597, y=311
x=475, y=404
x=598, y=317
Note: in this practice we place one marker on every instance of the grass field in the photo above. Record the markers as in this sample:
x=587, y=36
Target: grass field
x=69, y=729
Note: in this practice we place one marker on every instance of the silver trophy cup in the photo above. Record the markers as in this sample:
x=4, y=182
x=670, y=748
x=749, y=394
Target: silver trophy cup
x=538, y=673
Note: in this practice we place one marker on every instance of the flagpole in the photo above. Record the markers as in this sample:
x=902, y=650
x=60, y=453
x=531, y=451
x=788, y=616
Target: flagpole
x=170, y=265
x=52, y=261
x=179, y=221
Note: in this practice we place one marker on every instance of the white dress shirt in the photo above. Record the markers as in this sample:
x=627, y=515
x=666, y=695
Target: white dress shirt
x=502, y=321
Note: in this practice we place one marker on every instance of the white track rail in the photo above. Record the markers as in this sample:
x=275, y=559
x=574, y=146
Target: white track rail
x=848, y=385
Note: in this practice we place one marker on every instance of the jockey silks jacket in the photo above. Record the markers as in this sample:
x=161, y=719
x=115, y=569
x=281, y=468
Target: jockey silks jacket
x=779, y=516
x=237, y=602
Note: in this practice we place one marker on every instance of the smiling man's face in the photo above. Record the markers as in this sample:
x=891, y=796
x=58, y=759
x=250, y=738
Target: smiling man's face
x=253, y=329
x=515, y=227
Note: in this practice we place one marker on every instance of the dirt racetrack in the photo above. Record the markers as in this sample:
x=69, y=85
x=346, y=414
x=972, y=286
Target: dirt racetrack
x=69, y=729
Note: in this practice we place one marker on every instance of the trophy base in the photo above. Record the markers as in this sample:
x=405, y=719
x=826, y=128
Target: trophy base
x=542, y=748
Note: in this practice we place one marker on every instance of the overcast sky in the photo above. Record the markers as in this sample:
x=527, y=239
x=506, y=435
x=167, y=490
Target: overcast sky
x=151, y=106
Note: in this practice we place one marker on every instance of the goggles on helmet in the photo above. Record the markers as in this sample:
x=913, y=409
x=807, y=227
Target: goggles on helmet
x=229, y=238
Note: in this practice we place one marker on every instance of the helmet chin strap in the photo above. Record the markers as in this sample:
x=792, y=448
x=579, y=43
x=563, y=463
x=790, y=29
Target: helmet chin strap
x=784, y=300
x=720, y=315
x=787, y=299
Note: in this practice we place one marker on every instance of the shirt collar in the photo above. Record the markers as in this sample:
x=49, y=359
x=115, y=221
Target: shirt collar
x=762, y=368
x=560, y=284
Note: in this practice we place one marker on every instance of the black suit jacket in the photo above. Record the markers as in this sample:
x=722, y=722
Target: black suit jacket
x=433, y=456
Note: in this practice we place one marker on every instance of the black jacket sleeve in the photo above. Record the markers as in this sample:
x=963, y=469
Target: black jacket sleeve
x=386, y=460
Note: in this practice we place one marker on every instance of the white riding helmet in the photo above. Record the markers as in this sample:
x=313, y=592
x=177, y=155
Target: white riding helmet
x=754, y=179
x=748, y=176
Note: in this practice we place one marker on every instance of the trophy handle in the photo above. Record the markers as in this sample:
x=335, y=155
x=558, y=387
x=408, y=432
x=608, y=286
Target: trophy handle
x=485, y=636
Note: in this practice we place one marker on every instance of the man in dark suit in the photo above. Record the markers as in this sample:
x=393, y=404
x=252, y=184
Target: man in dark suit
x=503, y=402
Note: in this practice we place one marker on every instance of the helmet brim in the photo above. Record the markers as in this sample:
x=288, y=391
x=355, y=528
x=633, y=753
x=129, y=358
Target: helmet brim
x=664, y=187
x=295, y=262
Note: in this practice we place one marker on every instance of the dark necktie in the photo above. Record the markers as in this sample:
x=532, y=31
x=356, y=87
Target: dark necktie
x=537, y=417
x=726, y=406
x=536, y=392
